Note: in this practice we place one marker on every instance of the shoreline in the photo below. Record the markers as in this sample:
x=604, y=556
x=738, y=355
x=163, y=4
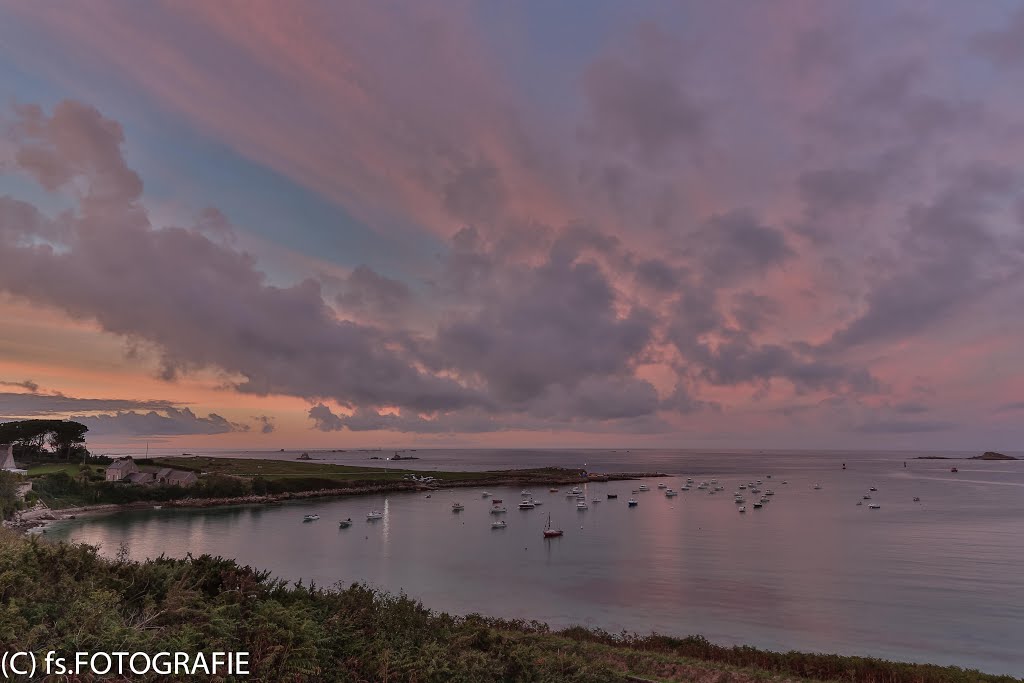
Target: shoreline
x=41, y=518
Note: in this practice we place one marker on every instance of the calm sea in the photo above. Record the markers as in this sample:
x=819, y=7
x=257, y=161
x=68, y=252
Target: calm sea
x=940, y=580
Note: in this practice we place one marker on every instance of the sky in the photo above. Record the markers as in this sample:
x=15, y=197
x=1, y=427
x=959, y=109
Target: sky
x=786, y=224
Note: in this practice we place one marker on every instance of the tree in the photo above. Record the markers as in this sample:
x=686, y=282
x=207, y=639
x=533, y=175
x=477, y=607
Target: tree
x=65, y=438
x=8, y=493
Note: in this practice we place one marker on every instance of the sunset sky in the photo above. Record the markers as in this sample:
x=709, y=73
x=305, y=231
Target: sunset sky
x=721, y=224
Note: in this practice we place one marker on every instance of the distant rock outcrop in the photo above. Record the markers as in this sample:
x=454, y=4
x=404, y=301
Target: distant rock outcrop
x=992, y=455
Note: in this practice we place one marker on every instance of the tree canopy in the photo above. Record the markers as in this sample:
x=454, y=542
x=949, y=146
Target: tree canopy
x=63, y=437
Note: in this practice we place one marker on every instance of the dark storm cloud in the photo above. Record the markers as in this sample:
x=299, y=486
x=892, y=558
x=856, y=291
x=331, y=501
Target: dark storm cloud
x=36, y=405
x=950, y=256
x=641, y=110
x=903, y=426
x=1003, y=46
x=265, y=423
x=556, y=326
x=753, y=311
x=474, y=194
x=167, y=422
x=26, y=384
x=367, y=290
x=736, y=244
x=202, y=303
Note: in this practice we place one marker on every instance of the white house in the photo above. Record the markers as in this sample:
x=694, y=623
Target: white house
x=7, y=463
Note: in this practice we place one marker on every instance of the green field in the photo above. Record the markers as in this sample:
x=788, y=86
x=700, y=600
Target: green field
x=72, y=469
x=283, y=469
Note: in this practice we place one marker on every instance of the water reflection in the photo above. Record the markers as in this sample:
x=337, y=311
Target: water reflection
x=926, y=581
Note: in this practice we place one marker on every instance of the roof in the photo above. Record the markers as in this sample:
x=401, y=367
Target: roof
x=140, y=477
x=121, y=463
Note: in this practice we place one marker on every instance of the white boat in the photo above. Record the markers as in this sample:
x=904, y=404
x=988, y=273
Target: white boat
x=689, y=480
x=817, y=487
x=526, y=504
x=714, y=481
x=866, y=497
x=669, y=493
x=742, y=508
x=662, y=485
x=874, y=506
x=740, y=500
x=872, y=489
x=373, y=514
x=537, y=502
x=769, y=492
x=757, y=506
x=458, y=507
x=784, y=481
x=595, y=500
x=485, y=494
x=743, y=487
x=498, y=509
x=684, y=488
x=576, y=490
x=581, y=505
x=524, y=492
x=345, y=523
x=632, y=502
x=310, y=518
x=643, y=487
x=500, y=524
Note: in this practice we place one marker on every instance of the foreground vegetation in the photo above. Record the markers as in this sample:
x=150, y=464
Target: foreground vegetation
x=66, y=597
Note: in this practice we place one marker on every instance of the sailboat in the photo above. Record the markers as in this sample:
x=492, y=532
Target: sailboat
x=549, y=532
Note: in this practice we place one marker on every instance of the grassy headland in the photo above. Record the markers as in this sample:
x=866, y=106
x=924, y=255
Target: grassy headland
x=68, y=598
x=239, y=480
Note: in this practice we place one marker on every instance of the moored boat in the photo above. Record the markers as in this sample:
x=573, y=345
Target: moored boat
x=458, y=507
x=310, y=518
x=500, y=524
x=549, y=532
x=612, y=496
x=345, y=523
x=632, y=502
x=526, y=504
x=374, y=515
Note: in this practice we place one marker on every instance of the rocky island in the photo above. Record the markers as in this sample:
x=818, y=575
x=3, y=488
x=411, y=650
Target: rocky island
x=987, y=455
